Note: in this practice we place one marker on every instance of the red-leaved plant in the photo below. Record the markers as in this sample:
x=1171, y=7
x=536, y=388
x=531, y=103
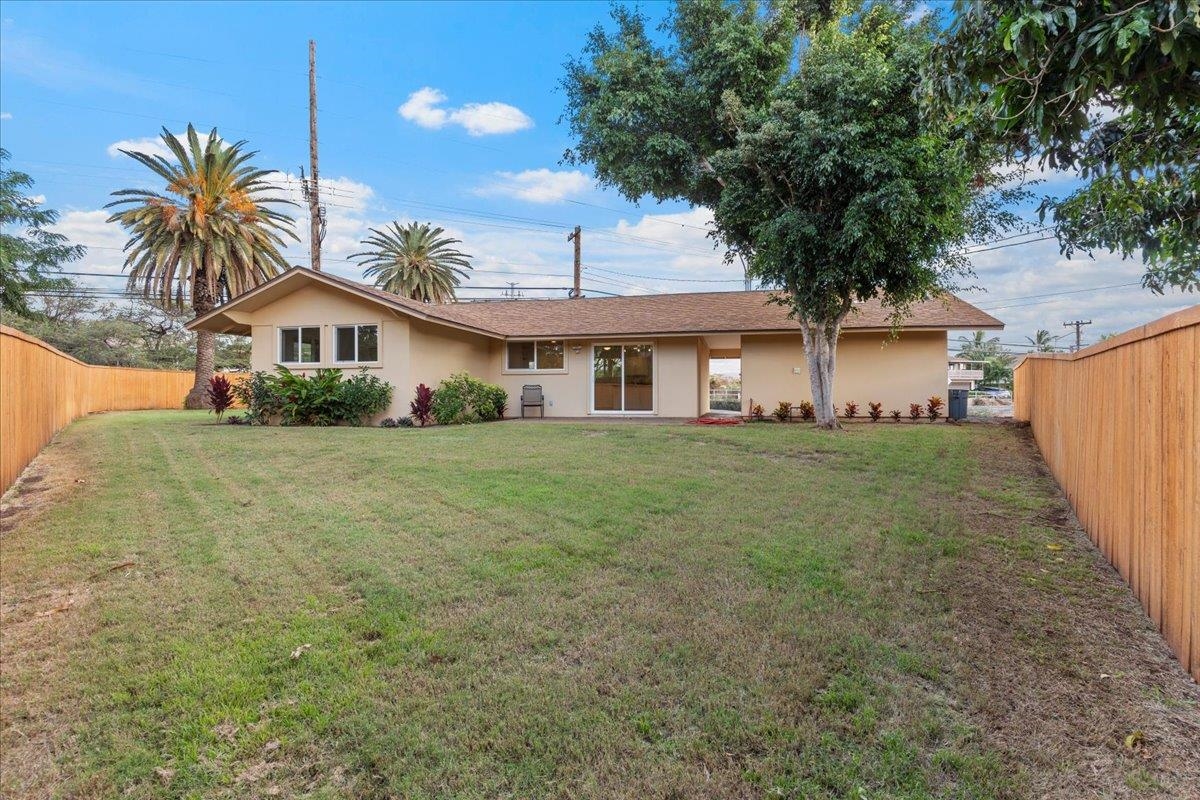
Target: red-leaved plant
x=876, y=411
x=808, y=411
x=783, y=411
x=895, y=415
x=933, y=408
x=851, y=409
x=422, y=405
x=914, y=411
x=220, y=395
x=757, y=413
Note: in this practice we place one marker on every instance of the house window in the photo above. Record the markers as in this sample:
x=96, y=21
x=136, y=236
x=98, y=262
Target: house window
x=543, y=354
x=300, y=345
x=356, y=343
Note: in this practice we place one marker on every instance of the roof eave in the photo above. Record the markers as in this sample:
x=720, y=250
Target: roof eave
x=200, y=322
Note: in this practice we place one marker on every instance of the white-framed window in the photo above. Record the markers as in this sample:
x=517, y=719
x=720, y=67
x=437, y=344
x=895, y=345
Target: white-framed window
x=536, y=355
x=300, y=345
x=357, y=344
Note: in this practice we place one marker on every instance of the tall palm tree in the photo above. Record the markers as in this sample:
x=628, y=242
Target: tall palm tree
x=978, y=346
x=414, y=260
x=210, y=236
x=1043, y=342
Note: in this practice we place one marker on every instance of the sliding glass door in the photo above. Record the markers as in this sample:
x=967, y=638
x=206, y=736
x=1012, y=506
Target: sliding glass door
x=623, y=378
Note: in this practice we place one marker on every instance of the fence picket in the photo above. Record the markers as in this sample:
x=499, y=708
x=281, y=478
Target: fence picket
x=1118, y=424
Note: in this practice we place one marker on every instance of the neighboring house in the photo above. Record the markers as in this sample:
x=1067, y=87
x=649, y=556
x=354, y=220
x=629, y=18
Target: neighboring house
x=963, y=373
x=611, y=356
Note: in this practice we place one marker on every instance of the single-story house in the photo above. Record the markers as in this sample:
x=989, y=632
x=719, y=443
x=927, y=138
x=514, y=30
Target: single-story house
x=622, y=356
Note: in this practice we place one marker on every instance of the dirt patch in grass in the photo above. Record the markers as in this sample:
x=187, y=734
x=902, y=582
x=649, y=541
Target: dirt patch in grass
x=1061, y=666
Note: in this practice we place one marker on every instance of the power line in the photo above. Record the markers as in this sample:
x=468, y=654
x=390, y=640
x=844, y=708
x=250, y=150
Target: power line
x=1067, y=291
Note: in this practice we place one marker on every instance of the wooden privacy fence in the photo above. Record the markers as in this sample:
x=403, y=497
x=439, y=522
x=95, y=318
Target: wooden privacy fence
x=1119, y=426
x=42, y=390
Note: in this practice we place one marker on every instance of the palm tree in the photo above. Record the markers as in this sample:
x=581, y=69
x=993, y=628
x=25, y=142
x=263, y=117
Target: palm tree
x=415, y=261
x=978, y=346
x=1043, y=342
x=209, y=237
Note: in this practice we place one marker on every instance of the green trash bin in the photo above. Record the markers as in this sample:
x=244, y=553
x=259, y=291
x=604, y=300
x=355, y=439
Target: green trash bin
x=958, y=403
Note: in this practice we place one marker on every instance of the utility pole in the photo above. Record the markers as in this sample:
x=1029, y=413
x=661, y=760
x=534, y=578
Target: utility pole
x=1078, y=325
x=577, y=238
x=316, y=215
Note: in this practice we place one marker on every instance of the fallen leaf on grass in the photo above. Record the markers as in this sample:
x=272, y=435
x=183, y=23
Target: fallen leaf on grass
x=164, y=774
x=60, y=609
x=113, y=568
x=1054, y=546
x=301, y=650
x=1135, y=740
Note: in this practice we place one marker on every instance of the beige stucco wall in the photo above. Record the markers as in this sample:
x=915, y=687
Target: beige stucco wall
x=870, y=368
x=318, y=306
x=437, y=352
x=567, y=391
x=410, y=351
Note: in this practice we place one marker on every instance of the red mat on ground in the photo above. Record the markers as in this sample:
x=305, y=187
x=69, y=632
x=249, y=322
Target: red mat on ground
x=715, y=421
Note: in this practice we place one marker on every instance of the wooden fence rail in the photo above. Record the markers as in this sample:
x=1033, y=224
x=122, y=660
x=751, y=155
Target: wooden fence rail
x=42, y=390
x=1119, y=426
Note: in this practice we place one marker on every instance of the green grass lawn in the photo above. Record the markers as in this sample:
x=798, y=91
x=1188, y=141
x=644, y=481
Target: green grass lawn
x=569, y=610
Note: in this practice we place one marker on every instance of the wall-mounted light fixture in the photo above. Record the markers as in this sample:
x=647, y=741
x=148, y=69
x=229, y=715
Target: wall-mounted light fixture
x=575, y=348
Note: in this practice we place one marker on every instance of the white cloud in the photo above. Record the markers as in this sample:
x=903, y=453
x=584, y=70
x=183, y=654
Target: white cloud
x=5, y=115
x=152, y=145
x=104, y=242
x=537, y=185
x=424, y=107
x=421, y=107
x=1023, y=284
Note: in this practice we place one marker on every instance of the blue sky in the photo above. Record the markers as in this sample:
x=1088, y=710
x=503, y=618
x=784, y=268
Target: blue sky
x=440, y=112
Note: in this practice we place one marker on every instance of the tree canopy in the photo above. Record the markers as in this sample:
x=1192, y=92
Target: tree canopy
x=799, y=125
x=415, y=260
x=1110, y=89
x=30, y=253
x=211, y=234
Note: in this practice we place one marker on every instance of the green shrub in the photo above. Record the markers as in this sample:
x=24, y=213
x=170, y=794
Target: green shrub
x=783, y=411
x=322, y=398
x=257, y=393
x=461, y=399
x=363, y=396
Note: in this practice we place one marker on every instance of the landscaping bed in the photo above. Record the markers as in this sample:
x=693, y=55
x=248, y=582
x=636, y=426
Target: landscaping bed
x=574, y=610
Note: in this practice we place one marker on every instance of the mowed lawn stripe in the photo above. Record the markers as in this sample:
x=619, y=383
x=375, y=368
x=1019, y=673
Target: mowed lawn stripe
x=511, y=610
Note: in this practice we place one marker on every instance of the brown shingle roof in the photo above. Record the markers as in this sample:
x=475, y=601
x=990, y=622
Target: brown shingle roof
x=702, y=312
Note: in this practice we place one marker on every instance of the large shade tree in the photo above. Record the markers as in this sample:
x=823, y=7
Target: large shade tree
x=415, y=260
x=211, y=234
x=799, y=126
x=1109, y=89
x=30, y=253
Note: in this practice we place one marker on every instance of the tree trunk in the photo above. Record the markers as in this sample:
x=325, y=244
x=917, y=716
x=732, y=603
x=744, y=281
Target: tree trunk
x=820, y=352
x=206, y=346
